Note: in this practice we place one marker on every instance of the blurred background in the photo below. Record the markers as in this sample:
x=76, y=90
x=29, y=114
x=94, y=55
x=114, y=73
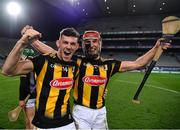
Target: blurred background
x=128, y=27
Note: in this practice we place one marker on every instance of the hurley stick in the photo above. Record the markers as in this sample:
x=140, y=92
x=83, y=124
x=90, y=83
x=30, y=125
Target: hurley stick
x=14, y=114
x=170, y=26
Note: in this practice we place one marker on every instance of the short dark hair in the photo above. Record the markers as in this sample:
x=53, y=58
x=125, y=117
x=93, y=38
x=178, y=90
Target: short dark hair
x=70, y=32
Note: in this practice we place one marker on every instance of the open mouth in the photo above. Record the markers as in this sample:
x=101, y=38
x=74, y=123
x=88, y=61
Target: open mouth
x=92, y=49
x=67, y=53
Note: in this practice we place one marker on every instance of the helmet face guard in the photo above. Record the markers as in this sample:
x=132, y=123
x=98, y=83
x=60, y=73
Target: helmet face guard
x=86, y=45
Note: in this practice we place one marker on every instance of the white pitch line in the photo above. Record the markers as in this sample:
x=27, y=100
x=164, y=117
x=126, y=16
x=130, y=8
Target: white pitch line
x=165, y=89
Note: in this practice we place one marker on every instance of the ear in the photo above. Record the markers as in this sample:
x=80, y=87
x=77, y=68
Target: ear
x=57, y=43
x=77, y=46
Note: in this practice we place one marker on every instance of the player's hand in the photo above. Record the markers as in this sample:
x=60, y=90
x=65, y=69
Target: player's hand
x=30, y=35
x=22, y=103
x=161, y=42
x=25, y=29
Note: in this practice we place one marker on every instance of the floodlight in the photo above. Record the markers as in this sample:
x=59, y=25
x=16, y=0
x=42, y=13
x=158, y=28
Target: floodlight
x=13, y=8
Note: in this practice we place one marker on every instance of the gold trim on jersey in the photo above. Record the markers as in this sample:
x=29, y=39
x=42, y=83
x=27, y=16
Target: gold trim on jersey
x=64, y=107
x=86, y=88
x=102, y=73
x=75, y=90
x=53, y=94
x=112, y=68
x=39, y=82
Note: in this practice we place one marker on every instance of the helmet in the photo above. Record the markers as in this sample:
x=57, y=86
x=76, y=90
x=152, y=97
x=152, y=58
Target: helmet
x=90, y=34
x=28, y=53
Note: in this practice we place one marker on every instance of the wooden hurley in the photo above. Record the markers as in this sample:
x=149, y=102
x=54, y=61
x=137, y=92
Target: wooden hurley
x=14, y=114
x=170, y=26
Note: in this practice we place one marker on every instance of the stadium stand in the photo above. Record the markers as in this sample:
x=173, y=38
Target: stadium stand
x=6, y=44
x=177, y=56
x=165, y=60
x=121, y=45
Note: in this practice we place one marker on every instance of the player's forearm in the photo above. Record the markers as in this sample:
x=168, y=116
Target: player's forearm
x=146, y=58
x=12, y=60
x=41, y=47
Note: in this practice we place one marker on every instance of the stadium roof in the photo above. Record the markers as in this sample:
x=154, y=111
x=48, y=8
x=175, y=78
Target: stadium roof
x=49, y=16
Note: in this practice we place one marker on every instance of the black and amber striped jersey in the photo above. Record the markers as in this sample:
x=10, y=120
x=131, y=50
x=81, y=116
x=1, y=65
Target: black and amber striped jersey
x=92, y=81
x=27, y=86
x=53, y=84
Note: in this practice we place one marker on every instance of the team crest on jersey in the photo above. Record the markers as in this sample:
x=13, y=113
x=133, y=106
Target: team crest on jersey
x=62, y=83
x=65, y=68
x=94, y=80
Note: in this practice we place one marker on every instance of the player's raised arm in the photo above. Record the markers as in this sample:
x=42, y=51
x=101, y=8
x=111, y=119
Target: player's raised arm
x=37, y=44
x=41, y=47
x=13, y=65
x=144, y=59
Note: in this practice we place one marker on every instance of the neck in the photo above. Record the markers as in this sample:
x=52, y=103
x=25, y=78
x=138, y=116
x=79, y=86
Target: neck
x=60, y=57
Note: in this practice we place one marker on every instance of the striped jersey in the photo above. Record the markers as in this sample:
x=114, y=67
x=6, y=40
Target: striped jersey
x=53, y=84
x=92, y=81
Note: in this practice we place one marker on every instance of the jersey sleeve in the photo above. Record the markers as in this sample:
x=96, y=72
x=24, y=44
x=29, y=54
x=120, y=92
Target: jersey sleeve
x=116, y=67
x=23, y=88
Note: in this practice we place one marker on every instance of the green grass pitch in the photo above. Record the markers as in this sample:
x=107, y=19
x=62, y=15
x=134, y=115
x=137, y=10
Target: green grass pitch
x=159, y=108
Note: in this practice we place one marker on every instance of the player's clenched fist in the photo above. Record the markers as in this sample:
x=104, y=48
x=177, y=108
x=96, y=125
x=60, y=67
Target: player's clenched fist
x=29, y=35
x=25, y=29
x=161, y=42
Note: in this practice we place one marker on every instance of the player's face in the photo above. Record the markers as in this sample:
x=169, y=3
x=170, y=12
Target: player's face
x=94, y=47
x=67, y=46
